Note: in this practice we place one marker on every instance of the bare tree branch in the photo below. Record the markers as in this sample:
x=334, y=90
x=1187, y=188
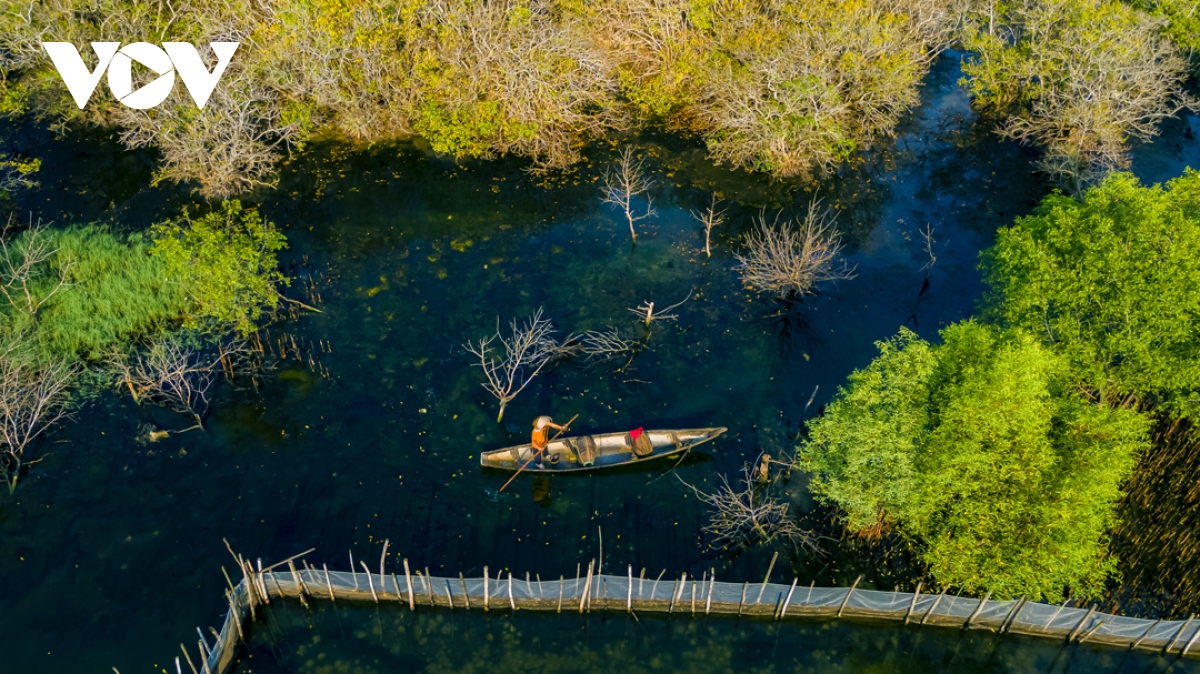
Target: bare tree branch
x=33, y=397
x=787, y=261
x=176, y=376
x=510, y=363
x=710, y=217
x=23, y=260
x=742, y=517
x=645, y=311
x=625, y=181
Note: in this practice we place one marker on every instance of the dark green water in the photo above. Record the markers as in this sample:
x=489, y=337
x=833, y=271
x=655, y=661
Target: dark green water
x=367, y=639
x=111, y=549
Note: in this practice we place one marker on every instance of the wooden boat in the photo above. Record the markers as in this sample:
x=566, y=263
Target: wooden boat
x=605, y=450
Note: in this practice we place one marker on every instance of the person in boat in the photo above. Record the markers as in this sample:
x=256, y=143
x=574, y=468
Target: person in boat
x=541, y=437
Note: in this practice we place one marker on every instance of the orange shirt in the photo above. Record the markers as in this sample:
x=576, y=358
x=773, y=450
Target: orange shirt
x=541, y=436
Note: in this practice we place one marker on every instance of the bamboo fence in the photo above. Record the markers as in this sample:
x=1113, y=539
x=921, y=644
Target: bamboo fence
x=295, y=579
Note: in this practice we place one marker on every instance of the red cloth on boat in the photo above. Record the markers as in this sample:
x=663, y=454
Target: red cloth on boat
x=633, y=435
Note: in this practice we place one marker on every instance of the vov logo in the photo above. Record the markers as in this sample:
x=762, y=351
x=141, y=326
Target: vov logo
x=173, y=57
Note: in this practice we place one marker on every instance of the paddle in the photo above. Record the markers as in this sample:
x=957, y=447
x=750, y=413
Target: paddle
x=535, y=454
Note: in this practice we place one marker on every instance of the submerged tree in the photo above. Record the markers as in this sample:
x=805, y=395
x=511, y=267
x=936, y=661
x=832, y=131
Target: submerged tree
x=1078, y=78
x=175, y=375
x=749, y=514
x=624, y=182
x=34, y=395
x=710, y=218
x=786, y=260
x=27, y=279
x=981, y=450
x=510, y=363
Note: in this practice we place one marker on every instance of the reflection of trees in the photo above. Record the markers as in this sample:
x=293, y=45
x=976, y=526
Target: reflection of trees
x=1158, y=543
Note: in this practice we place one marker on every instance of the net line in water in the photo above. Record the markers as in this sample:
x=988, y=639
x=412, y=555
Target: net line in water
x=631, y=593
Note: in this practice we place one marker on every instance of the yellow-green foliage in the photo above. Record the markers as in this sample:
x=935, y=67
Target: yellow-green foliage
x=1077, y=77
x=981, y=450
x=783, y=86
x=224, y=262
x=113, y=294
x=1182, y=19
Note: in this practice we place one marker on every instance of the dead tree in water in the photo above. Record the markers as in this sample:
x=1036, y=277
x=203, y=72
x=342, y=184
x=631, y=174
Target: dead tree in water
x=748, y=515
x=608, y=344
x=710, y=218
x=33, y=397
x=175, y=376
x=787, y=260
x=23, y=260
x=646, y=312
x=519, y=358
x=625, y=181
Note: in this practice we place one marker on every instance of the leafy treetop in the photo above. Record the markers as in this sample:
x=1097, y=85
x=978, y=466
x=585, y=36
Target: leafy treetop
x=981, y=451
x=226, y=263
x=1110, y=281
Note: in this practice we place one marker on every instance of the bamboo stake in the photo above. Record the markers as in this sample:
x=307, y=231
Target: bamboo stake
x=487, y=602
x=693, y=596
x=935, y=605
x=277, y=587
x=227, y=580
x=1187, y=647
x=466, y=598
x=204, y=662
x=382, y=559
x=1012, y=616
x=847, y=599
x=396, y=587
x=767, y=578
x=787, y=602
x=978, y=608
x=263, y=582
x=449, y=595
x=641, y=582
x=1145, y=634
x=353, y=573
x=629, y=593
x=428, y=587
x=250, y=590
x=808, y=599
x=587, y=588
x=1182, y=629
x=561, y=582
x=300, y=589
x=1090, y=632
x=205, y=651
x=328, y=583
x=541, y=591
x=511, y=603
x=1087, y=617
x=237, y=620
x=187, y=656
x=260, y=587
x=745, y=586
x=370, y=583
x=654, y=590
x=913, y=605
x=293, y=557
x=412, y=605
x=712, y=580
x=1051, y=620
